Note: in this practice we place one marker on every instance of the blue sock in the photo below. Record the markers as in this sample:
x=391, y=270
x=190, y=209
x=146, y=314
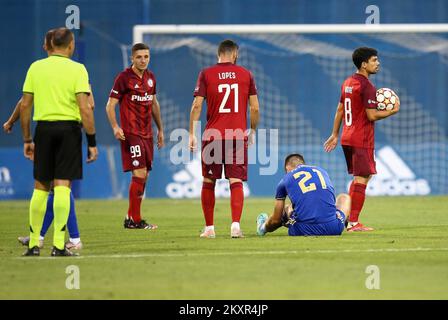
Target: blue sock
x=72, y=223
x=49, y=215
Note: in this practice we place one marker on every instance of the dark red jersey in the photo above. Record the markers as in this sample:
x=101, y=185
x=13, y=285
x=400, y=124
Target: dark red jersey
x=358, y=94
x=226, y=88
x=136, y=97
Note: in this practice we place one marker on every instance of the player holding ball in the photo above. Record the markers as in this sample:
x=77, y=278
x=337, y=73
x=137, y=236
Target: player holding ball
x=359, y=108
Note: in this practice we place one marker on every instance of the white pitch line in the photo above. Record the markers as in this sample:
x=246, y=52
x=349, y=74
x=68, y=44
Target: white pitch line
x=245, y=253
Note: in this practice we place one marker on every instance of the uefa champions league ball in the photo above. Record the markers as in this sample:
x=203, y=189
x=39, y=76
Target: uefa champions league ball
x=387, y=99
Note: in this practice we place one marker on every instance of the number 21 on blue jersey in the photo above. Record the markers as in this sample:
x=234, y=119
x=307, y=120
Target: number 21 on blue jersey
x=303, y=178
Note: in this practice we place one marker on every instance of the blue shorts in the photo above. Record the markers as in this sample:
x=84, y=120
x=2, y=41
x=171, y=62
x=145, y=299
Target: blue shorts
x=332, y=228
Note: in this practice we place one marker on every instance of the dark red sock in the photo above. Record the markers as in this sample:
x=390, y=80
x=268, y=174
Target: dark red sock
x=136, y=190
x=236, y=200
x=208, y=202
x=350, y=190
x=358, y=195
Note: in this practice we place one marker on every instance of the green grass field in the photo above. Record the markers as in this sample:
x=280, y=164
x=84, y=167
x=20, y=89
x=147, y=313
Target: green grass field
x=410, y=247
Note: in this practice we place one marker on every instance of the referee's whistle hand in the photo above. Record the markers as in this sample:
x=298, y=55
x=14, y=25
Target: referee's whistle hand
x=28, y=150
x=93, y=154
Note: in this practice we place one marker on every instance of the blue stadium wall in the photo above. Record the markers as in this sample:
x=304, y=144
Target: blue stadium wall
x=107, y=27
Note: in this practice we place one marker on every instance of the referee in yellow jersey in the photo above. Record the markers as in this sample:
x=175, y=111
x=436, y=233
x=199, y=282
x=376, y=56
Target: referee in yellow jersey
x=59, y=88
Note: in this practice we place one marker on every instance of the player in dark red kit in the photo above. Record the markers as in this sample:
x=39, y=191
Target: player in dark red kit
x=227, y=88
x=135, y=90
x=358, y=108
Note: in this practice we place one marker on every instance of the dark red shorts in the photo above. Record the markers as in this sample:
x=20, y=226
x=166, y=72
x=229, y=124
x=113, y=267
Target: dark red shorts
x=360, y=161
x=136, y=152
x=230, y=154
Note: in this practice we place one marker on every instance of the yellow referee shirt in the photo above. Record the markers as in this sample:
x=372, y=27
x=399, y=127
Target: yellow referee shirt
x=54, y=82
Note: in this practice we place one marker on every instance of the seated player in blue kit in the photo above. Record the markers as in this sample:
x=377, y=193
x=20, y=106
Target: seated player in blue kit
x=314, y=209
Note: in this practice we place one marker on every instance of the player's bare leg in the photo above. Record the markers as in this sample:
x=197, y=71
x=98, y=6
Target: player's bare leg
x=208, y=207
x=236, y=203
x=344, y=203
x=357, y=195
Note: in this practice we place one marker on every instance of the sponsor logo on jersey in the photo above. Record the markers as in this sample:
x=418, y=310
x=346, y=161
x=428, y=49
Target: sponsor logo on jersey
x=136, y=86
x=348, y=89
x=394, y=177
x=188, y=183
x=115, y=91
x=146, y=97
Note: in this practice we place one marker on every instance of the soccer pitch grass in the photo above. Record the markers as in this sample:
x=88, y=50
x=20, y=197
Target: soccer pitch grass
x=409, y=246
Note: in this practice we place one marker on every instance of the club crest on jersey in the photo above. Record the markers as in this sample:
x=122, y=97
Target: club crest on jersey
x=150, y=83
x=135, y=163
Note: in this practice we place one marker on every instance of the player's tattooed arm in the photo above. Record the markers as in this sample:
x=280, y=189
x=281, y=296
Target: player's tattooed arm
x=7, y=126
x=110, y=110
x=158, y=120
x=195, y=115
x=332, y=141
x=275, y=220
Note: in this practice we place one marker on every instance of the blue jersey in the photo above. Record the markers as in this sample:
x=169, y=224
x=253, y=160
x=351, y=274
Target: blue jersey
x=311, y=193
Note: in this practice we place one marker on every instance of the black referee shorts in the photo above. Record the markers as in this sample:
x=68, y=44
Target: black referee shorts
x=57, y=150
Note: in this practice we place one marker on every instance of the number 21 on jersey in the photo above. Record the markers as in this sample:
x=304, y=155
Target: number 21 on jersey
x=228, y=88
x=305, y=176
